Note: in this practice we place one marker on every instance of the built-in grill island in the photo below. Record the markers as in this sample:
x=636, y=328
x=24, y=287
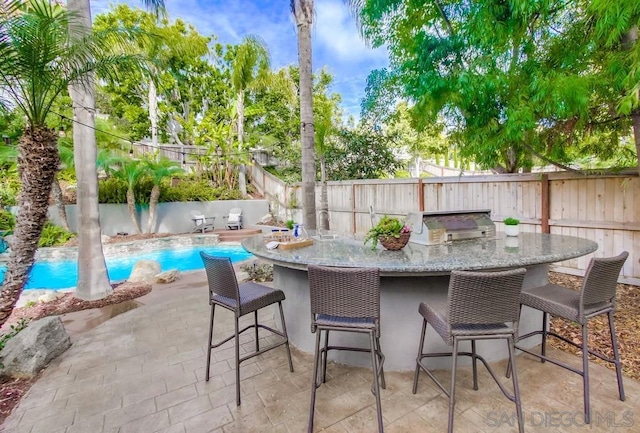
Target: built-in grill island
x=436, y=228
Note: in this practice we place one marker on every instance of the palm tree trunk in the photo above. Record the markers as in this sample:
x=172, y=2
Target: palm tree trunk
x=153, y=204
x=242, y=179
x=635, y=117
x=304, y=18
x=58, y=199
x=38, y=162
x=131, y=206
x=324, y=198
x=93, y=279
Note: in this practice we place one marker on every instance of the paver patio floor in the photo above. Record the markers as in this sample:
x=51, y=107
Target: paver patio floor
x=143, y=372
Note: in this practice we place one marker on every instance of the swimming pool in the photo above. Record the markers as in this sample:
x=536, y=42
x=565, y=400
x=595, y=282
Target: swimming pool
x=59, y=274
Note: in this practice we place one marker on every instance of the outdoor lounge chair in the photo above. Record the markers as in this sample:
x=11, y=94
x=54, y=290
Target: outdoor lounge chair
x=234, y=220
x=200, y=222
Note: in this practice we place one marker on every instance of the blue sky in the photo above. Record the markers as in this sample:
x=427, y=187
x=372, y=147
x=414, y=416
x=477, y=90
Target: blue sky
x=337, y=44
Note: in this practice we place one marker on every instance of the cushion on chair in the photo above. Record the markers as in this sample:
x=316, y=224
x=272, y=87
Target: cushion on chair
x=348, y=322
x=436, y=314
x=558, y=301
x=254, y=296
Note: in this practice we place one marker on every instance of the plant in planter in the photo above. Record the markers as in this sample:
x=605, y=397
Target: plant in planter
x=391, y=232
x=511, y=226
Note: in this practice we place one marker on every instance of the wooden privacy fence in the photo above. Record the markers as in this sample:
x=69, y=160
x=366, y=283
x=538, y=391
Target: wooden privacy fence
x=605, y=209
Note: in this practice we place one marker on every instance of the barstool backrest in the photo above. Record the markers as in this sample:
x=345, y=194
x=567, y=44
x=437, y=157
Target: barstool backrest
x=345, y=292
x=485, y=297
x=221, y=277
x=601, y=279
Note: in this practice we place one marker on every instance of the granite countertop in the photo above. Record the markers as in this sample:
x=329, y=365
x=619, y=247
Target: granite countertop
x=495, y=253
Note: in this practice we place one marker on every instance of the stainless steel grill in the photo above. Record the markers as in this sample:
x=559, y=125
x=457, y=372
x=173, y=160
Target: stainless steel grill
x=435, y=228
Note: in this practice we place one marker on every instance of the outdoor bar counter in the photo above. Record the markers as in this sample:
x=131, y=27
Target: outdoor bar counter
x=408, y=276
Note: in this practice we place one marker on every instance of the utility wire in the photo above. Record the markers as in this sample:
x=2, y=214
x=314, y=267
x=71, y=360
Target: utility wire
x=179, y=152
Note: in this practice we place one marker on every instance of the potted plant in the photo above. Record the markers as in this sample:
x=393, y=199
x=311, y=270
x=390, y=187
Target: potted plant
x=391, y=232
x=511, y=226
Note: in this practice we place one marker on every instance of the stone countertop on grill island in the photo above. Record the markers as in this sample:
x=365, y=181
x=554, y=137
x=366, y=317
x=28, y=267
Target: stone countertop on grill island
x=475, y=254
x=410, y=276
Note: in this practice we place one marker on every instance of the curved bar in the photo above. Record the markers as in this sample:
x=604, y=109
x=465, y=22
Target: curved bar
x=408, y=276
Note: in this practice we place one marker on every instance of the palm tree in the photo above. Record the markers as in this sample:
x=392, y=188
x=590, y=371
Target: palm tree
x=250, y=67
x=303, y=12
x=158, y=169
x=131, y=171
x=39, y=61
x=93, y=279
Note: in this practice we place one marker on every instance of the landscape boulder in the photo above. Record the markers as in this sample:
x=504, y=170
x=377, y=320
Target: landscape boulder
x=28, y=352
x=145, y=271
x=168, y=276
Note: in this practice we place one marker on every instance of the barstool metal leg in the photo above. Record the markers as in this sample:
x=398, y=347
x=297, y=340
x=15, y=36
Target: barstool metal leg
x=616, y=355
x=516, y=387
x=314, y=380
x=255, y=323
x=419, y=357
x=237, y=341
x=213, y=309
x=544, y=336
x=452, y=392
x=284, y=331
x=376, y=388
x=474, y=360
x=380, y=355
x=325, y=355
x=585, y=373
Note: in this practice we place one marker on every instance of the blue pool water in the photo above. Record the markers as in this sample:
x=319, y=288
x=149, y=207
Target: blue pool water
x=63, y=274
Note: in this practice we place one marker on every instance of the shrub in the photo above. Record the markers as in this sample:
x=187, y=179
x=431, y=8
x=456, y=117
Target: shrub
x=13, y=331
x=259, y=272
x=9, y=187
x=54, y=236
x=7, y=221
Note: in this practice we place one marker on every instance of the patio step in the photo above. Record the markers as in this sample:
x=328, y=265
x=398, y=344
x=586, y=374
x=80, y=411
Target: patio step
x=235, y=235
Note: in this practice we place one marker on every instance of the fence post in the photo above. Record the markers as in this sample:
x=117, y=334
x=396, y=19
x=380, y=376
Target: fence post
x=544, y=218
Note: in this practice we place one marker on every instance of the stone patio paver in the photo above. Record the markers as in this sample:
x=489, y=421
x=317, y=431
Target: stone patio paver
x=143, y=372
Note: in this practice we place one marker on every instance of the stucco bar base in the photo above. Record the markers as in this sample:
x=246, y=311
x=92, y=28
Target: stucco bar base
x=400, y=321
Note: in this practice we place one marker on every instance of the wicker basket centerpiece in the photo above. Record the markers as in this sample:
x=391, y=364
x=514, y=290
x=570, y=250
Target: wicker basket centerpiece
x=391, y=232
x=394, y=244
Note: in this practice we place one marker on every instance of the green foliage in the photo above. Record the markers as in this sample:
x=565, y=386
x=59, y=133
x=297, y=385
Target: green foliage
x=514, y=80
x=259, y=272
x=7, y=221
x=54, y=236
x=196, y=190
x=14, y=329
x=360, y=154
x=510, y=221
x=9, y=186
x=387, y=226
x=290, y=224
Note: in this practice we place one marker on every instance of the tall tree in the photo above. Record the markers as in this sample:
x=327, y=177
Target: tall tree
x=40, y=59
x=303, y=12
x=93, y=279
x=249, y=68
x=514, y=79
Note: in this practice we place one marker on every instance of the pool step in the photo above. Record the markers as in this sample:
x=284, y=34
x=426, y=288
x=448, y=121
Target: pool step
x=235, y=235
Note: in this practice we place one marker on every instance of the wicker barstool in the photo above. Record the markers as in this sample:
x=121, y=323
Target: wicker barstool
x=345, y=299
x=478, y=306
x=241, y=299
x=596, y=297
